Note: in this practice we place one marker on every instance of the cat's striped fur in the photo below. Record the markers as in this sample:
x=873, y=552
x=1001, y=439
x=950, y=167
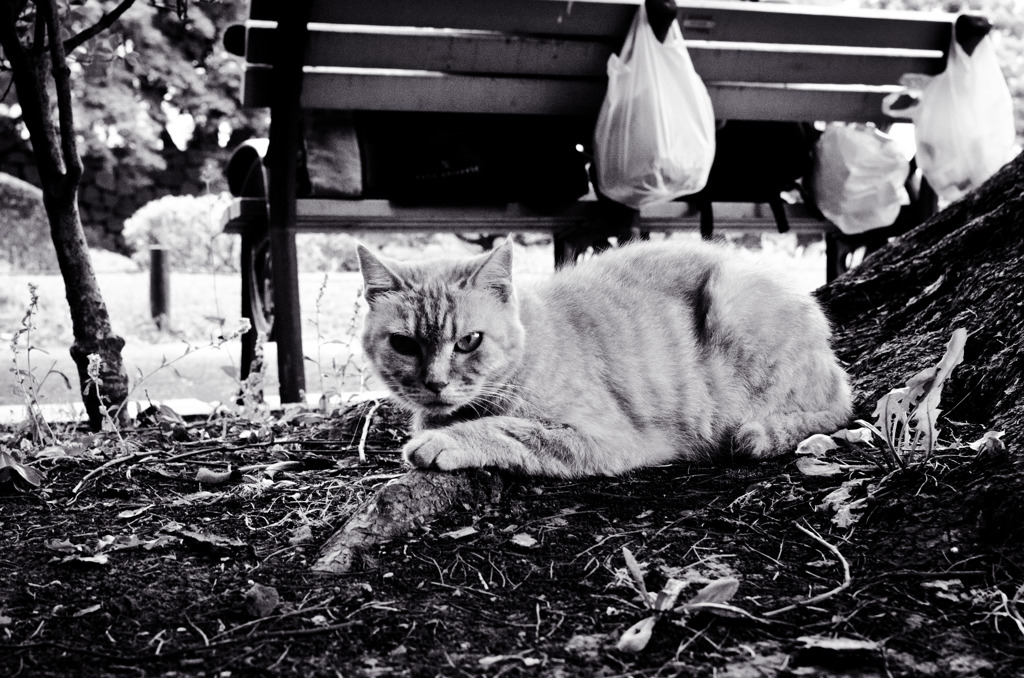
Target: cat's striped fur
x=642, y=355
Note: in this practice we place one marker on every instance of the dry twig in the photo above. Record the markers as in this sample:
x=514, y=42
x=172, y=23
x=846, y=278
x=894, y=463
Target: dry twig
x=827, y=594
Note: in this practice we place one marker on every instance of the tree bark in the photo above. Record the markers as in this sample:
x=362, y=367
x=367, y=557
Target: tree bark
x=401, y=506
x=36, y=67
x=962, y=268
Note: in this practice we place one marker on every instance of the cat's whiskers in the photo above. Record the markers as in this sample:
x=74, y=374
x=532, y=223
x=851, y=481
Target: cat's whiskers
x=498, y=397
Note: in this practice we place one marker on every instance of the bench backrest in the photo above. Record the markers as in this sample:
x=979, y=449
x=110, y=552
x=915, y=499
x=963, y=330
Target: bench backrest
x=760, y=61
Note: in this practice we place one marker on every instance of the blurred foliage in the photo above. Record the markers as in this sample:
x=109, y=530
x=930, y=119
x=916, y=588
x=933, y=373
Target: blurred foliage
x=143, y=72
x=189, y=228
x=25, y=233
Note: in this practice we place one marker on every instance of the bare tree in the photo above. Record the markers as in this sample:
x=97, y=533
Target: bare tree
x=35, y=51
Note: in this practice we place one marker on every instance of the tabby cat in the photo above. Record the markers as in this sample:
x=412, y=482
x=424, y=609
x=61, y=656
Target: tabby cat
x=642, y=355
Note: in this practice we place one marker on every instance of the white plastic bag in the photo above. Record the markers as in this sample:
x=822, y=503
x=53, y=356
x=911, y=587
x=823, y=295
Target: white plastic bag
x=655, y=135
x=963, y=120
x=859, y=176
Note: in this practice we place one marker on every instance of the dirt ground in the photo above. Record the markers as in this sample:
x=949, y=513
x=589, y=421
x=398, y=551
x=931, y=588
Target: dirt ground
x=124, y=565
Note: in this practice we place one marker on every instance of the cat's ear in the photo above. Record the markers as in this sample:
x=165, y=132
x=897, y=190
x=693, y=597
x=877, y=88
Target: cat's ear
x=494, y=273
x=378, y=279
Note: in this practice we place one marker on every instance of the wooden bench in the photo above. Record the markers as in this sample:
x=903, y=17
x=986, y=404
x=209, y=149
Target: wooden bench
x=530, y=57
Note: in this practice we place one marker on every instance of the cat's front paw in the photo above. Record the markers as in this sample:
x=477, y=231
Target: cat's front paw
x=438, y=450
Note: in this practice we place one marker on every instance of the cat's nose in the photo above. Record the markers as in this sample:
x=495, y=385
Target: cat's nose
x=435, y=386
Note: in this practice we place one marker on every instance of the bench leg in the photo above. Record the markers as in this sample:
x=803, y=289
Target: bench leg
x=287, y=321
x=835, y=261
x=779, y=212
x=707, y=219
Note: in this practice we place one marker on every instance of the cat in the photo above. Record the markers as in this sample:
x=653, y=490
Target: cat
x=642, y=355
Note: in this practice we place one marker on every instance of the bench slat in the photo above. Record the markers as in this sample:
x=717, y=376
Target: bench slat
x=497, y=54
x=320, y=216
x=352, y=89
x=729, y=21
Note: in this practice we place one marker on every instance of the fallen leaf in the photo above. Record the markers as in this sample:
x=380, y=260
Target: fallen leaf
x=133, y=513
x=12, y=471
x=210, y=477
x=637, y=636
x=212, y=544
x=845, y=517
x=840, y=501
x=943, y=584
x=498, y=658
x=817, y=445
x=812, y=466
x=63, y=545
x=524, y=540
x=838, y=644
x=855, y=435
x=194, y=497
x=461, y=533
x=990, y=443
x=50, y=452
x=100, y=559
x=719, y=591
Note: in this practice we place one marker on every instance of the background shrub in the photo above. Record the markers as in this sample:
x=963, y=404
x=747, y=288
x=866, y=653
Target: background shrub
x=25, y=243
x=189, y=227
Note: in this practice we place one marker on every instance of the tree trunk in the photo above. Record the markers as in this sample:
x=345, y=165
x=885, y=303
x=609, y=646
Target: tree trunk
x=36, y=68
x=963, y=268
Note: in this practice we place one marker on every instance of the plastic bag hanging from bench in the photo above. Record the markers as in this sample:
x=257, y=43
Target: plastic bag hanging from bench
x=654, y=140
x=859, y=177
x=963, y=119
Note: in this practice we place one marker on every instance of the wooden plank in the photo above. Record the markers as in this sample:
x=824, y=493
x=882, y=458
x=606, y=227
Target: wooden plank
x=487, y=53
x=729, y=21
x=327, y=216
x=344, y=89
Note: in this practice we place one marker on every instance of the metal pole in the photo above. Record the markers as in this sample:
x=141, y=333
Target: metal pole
x=160, y=287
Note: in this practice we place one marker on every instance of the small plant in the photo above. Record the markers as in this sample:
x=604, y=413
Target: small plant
x=906, y=418
x=26, y=383
x=713, y=597
x=339, y=370
x=110, y=419
x=250, y=400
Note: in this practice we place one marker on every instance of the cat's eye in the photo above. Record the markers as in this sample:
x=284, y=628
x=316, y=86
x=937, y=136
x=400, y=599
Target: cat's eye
x=469, y=343
x=404, y=345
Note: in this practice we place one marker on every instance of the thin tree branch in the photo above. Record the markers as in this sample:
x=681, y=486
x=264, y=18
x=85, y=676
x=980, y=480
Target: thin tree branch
x=104, y=22
x=40, y=34
x=33, y=97
x=62, y=84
